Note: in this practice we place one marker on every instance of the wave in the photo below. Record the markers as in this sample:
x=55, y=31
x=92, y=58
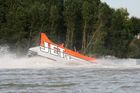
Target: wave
x=10, y=61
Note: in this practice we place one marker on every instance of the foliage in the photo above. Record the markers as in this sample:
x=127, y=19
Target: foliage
x=88, y=26
x=134, y=49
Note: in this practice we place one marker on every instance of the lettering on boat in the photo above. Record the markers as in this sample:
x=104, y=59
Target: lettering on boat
x=54, y=50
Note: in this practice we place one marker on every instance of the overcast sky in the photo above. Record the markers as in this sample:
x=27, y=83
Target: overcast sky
x=133, y=6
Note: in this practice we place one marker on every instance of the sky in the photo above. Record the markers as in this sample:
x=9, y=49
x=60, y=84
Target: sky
x=133, y=6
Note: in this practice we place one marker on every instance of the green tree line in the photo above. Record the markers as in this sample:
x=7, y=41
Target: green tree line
x=87, y=26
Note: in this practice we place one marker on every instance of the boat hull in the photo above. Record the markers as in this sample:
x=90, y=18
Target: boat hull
x=36, y=51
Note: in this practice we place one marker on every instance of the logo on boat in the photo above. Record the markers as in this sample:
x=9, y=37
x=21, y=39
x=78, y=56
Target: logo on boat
x=54, y=50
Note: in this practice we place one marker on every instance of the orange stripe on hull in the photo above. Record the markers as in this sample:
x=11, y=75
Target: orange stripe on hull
x=44, y=38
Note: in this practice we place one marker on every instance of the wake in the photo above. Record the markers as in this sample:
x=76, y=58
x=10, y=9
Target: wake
x=10, y=61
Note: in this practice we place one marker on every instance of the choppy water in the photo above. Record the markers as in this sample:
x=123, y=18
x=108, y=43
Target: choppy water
x=81, y=80
x=38, y=75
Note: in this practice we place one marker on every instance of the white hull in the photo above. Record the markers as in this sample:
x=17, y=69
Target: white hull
x=36, y=51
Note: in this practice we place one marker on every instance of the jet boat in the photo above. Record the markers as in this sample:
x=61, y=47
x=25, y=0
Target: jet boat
x=55, y=52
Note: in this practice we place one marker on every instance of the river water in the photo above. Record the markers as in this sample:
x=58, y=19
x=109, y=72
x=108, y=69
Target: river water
x=81, y=80
x=38, y=75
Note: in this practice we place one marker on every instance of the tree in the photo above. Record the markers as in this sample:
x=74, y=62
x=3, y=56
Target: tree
x=87, y=26
x=119, y=37
x=89, y=12
x=70, y=10
x=98, y=40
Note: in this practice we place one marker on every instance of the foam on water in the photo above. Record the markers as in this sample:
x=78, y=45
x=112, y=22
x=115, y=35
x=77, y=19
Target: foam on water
x=10, y=61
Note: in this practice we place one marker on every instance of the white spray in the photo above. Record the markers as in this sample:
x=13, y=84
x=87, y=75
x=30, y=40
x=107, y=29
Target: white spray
x=10, y=61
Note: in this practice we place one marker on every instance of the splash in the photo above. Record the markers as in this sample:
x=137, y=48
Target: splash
x=10, y=61
x=118, y=63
